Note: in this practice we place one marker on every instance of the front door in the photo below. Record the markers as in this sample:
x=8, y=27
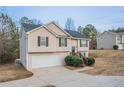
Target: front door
x=73, y=49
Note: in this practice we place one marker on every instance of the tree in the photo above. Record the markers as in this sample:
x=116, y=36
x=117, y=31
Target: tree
x=26, y=20
x=9, y=39
x=6, y=25
x=80, y=29
x=37, y=22
x=119, y=29
x=90, y=32
x=69, y=24
x=3, y=9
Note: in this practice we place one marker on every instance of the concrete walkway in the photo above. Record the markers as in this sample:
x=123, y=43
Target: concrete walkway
x=62, y=77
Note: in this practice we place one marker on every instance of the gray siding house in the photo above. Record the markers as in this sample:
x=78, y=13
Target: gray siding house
x=107, y=39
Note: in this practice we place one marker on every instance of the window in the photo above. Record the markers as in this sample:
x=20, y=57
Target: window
x=62, y=42
x=73, y=49
x=83, y=43
x=118, y=39
x=42, y=41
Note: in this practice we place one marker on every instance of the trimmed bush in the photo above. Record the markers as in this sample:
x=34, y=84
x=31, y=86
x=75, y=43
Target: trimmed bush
x=73, y=61
x=102, y=48
x=115, y=47
x=77, y=62
x=69, y=60
x=89, y=61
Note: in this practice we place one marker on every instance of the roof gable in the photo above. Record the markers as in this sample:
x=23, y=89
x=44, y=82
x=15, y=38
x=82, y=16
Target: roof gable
x=56, y=29
x=106, y=32
x=29, y=28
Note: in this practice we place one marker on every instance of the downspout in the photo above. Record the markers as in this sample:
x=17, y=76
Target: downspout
x=27, y=51
x=77, y=45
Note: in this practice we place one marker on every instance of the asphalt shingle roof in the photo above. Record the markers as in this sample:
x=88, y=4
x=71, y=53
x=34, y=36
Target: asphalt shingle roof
x=28, y=27
x=75, y=34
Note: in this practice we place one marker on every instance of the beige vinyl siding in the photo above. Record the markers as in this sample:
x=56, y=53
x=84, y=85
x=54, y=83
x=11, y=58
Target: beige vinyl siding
x=63, y=48
x=32, y=41
x=56, y=29
x=53, y=42
x=74, y=42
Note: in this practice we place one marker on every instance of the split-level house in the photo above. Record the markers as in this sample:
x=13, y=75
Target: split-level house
x=108, y=39
x=47, y=45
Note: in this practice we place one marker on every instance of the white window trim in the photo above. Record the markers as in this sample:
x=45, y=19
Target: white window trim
x=41, y=45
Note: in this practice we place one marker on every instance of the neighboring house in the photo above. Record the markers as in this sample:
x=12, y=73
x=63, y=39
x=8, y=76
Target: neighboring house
x=47, y=45
x=107, y=39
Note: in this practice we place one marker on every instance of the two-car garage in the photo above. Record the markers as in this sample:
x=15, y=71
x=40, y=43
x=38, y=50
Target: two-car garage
x=45, y=60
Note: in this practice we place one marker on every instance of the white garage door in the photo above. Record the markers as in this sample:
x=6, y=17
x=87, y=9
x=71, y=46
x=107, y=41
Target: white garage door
x=47, y=61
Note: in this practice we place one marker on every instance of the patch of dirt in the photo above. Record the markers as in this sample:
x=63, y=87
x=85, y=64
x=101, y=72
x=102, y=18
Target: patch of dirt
x=106, y=53
x=12, y=72
x=108, y=63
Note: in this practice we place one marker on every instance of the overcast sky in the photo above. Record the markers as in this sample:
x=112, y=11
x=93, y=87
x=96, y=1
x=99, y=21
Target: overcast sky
x=103, y=18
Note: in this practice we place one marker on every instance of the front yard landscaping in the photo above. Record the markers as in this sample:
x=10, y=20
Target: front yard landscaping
x=10, y=71
x=108, y=62
x=78, y=61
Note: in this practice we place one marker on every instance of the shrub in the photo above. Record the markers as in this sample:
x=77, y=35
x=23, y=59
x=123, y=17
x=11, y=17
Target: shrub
x=73, y=61
x=115, y=47
x=102, y=48
x=6, y=58
x=68, y=60
x=77, y=62
x=89, y=61
x=85, y=59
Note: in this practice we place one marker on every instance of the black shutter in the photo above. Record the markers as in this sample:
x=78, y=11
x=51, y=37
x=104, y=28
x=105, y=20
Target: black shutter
x=80, y=43
x=47, y=42
x=38, y=41
x=59, y=42
x=66, y=42
x=86, y=43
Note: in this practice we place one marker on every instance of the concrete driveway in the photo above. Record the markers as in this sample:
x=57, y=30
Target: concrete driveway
x=62, y=77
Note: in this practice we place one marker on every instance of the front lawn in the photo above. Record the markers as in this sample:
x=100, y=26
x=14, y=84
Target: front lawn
x=108, y=62
x=12, y=72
